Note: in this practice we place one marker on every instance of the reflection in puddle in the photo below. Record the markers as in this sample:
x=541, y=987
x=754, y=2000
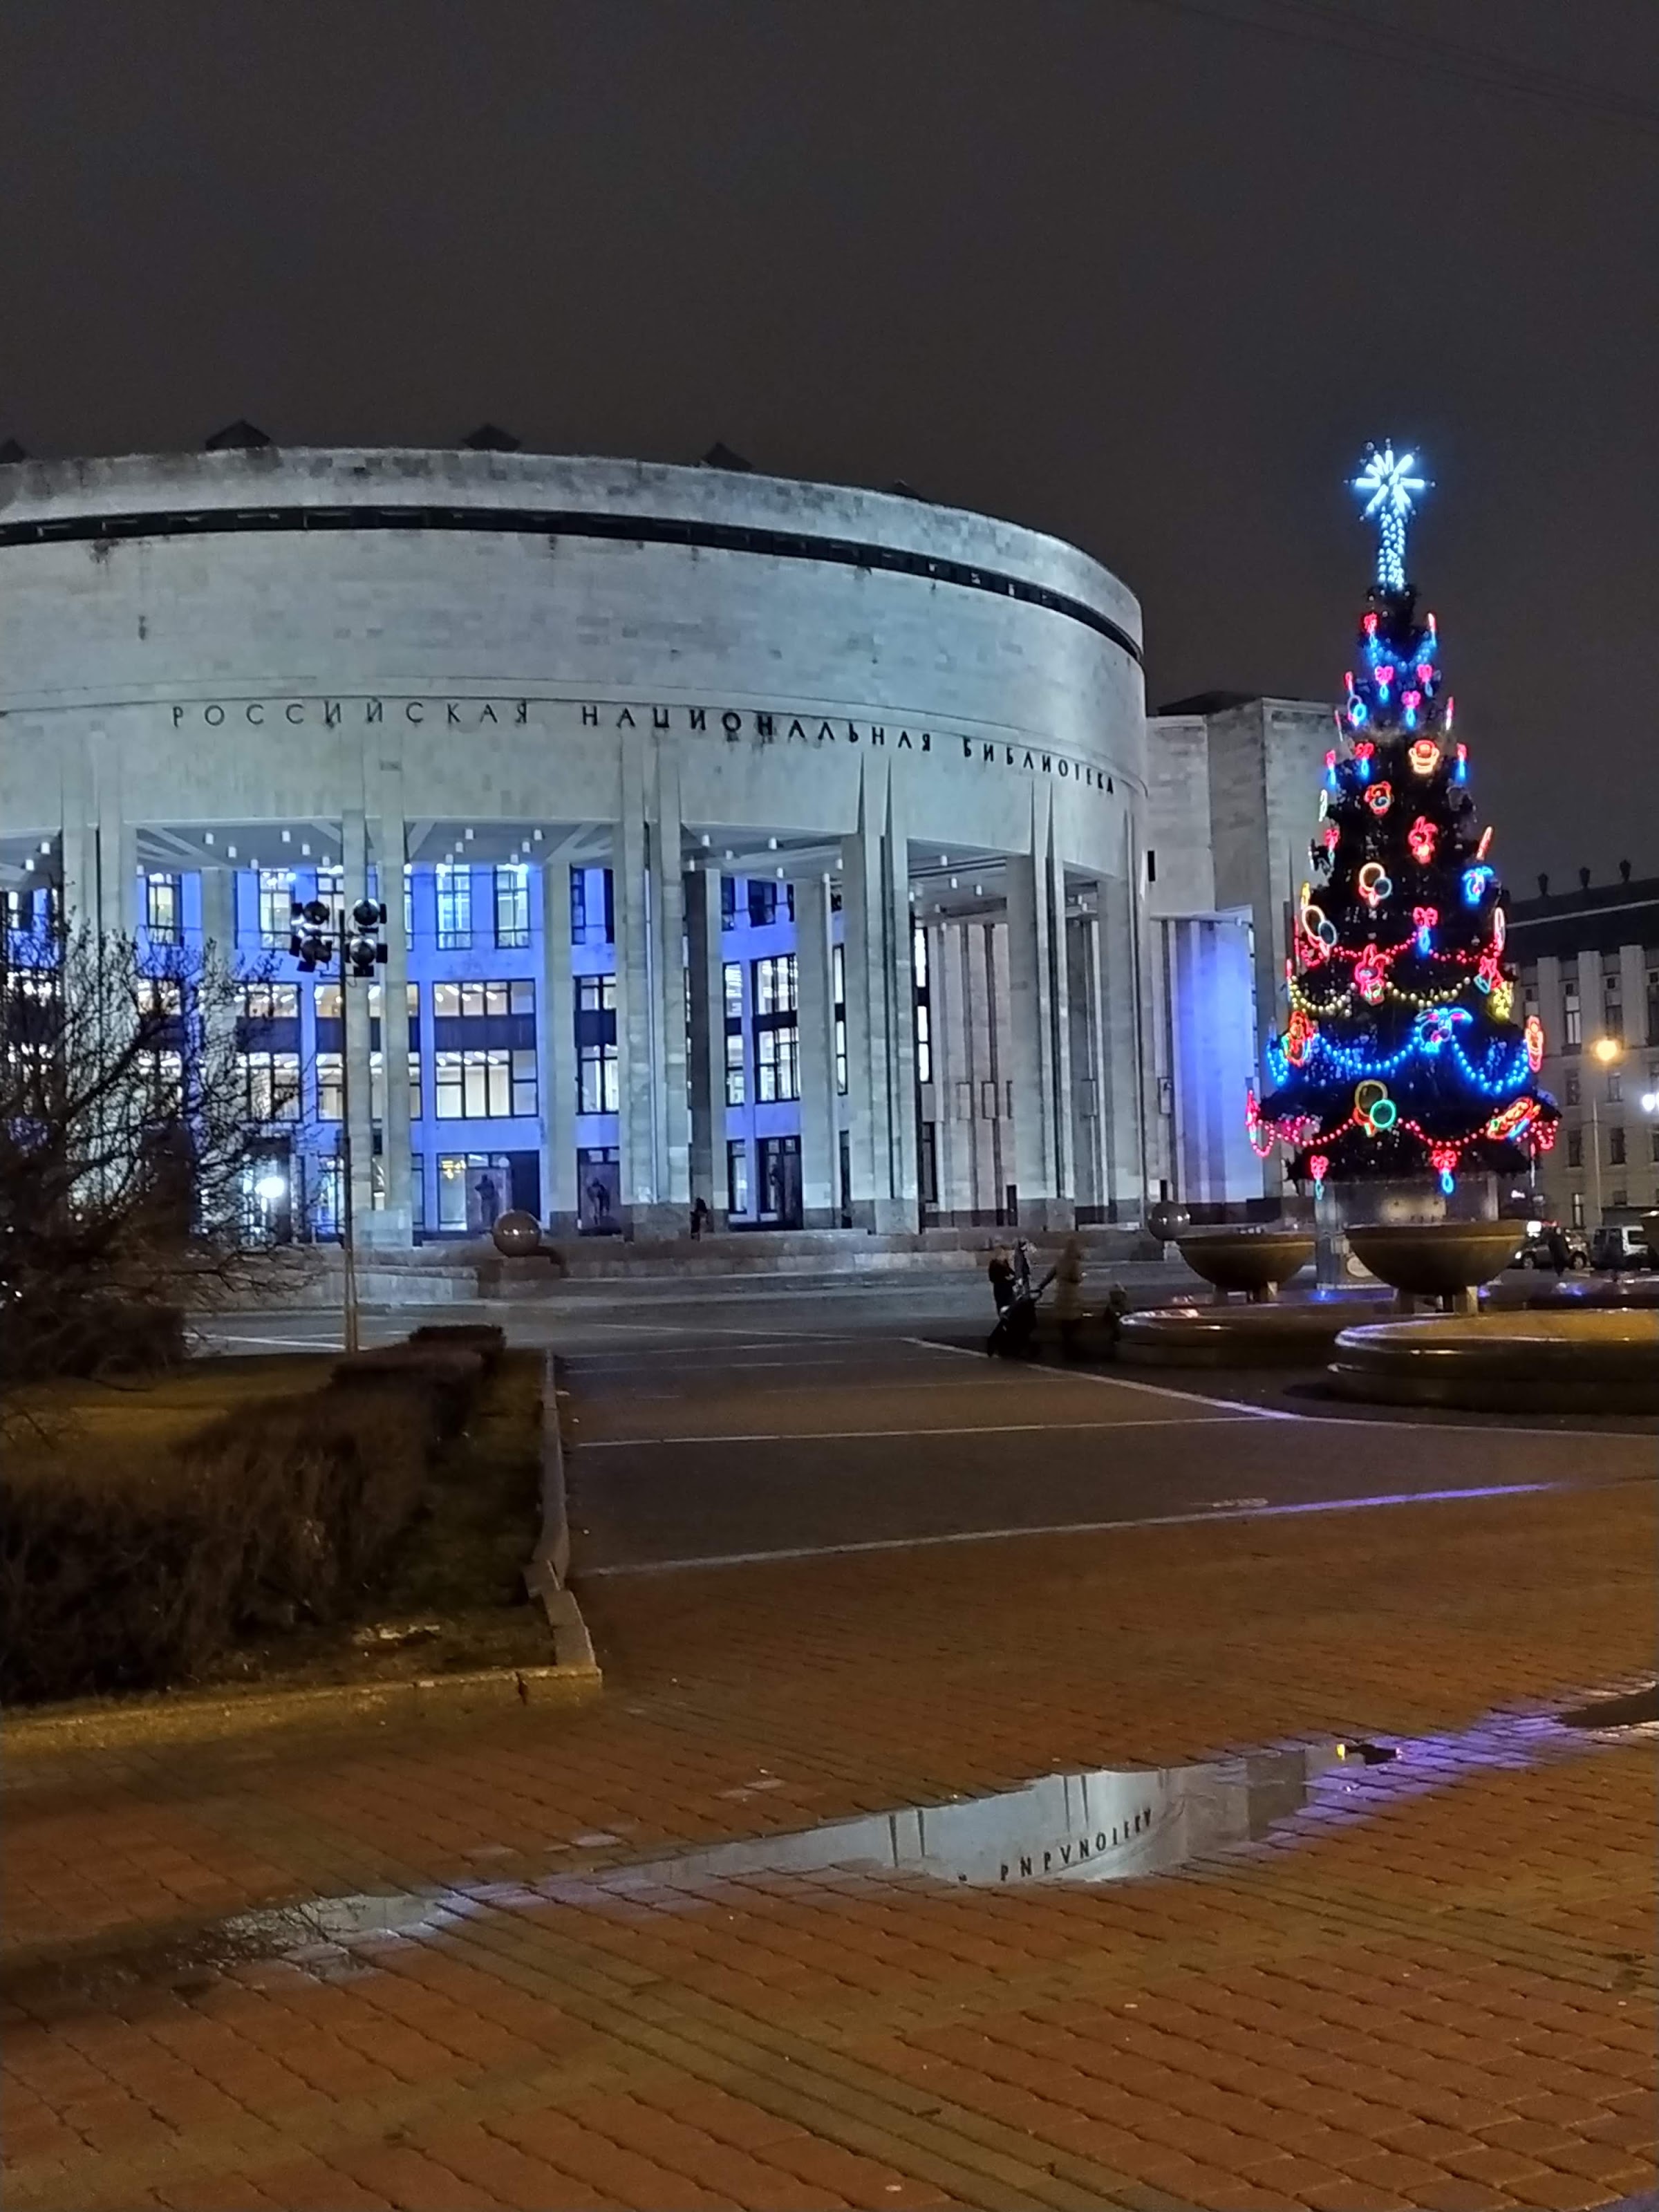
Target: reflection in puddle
x=1102, y=1826
x=1108, y=1825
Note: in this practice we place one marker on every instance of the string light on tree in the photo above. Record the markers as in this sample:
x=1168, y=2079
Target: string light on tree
x=1402, y=1055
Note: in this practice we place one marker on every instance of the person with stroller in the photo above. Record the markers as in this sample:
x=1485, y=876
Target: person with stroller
x=1009, y=1277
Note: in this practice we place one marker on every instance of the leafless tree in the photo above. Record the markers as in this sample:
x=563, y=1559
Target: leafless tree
x=125, y=1140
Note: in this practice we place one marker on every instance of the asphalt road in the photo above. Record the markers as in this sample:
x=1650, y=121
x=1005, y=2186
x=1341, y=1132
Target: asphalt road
x=734, y=1421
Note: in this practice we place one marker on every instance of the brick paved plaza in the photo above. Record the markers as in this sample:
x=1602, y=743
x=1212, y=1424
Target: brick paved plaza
x=492, y=1955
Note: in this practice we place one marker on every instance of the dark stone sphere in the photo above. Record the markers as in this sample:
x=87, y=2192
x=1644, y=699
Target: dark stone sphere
x=517, y=1234
x=1166, y=1221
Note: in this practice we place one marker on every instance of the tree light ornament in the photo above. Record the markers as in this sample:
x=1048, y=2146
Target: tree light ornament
x=1373, y=884
x=1534, y=1034
x=1389, y=484
x=1424, y=756
x=1421, y=838
x=1380, y=797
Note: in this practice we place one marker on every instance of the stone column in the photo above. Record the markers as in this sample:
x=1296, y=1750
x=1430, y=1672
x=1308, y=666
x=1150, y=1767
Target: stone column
x=1126, y=1163
x=1088, y=1084
x=393, y=1223
x=815, y=1015
x=1031, y=1011
x=880, y=1043
x=702, y=895
x=903, y=1105
x=353, y=849
x=555, y=1048
x=667, y=912
x=1063, y=1164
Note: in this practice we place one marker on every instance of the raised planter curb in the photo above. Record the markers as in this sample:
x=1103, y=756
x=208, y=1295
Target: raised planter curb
x=547, y=1569
x=180, y=1716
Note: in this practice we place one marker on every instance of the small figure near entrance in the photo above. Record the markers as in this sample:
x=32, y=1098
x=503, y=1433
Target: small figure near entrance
x=701, y=1218
x=599, y=1200
x=489, y=1200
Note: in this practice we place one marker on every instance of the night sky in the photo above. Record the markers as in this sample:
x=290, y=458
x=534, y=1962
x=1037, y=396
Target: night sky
x=1146, y=273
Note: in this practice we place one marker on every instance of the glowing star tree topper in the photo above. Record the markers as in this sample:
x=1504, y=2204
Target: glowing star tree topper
x=1388, y=481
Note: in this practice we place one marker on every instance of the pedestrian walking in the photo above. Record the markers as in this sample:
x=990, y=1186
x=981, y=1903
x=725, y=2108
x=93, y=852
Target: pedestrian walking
x=1067, y=1276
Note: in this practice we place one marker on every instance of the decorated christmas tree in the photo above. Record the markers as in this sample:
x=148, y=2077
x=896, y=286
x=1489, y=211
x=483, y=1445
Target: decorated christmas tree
x=1404, y=1058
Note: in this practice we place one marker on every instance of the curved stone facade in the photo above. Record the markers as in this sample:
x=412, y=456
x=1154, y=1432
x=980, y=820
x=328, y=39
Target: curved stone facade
x=921, y=729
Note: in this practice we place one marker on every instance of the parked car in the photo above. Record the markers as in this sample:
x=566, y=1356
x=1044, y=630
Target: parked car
x=1540, y=1249
x=1620, y=1245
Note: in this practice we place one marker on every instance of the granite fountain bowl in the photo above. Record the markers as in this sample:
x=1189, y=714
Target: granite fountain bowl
x=1594, y=1362
x=1247, y=1256
x=1438, y=1259
x=517, y=1234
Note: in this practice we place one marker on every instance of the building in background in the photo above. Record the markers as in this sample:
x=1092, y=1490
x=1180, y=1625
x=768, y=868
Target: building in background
x=1588, y=967
x=1233, y=799
x=777, y=844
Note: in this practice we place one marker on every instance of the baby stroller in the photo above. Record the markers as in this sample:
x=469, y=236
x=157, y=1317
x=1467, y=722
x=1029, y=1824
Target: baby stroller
x=1015, y=1333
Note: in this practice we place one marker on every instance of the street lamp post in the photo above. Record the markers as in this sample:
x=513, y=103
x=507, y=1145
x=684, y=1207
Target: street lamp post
x=323, y=937
x=1609, y=1050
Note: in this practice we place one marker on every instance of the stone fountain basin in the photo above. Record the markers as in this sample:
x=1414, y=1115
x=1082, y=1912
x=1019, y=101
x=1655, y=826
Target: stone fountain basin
x=1246, y=1258
x=1299, y=1334
x=1597, y=1362
x=1434, y=1258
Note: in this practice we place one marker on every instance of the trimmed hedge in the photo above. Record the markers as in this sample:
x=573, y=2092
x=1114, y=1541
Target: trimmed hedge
x=141, y=1576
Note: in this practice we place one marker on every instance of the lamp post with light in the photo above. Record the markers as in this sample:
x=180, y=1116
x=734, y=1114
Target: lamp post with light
x=327, y=936
x=1609, y=1051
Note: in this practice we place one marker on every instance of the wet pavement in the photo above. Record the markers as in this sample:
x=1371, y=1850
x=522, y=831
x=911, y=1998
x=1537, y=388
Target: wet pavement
x=756, y=1928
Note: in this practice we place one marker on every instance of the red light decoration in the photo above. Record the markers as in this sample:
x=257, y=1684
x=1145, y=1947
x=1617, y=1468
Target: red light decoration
x=1299, y=1034
x=1533, y=1035
x=1319, y=1167
x=1445, y=1157
x=1420, y=837
x=1370, y=624
x=1426, y=672
x=1485, y=846
x=1380, y=797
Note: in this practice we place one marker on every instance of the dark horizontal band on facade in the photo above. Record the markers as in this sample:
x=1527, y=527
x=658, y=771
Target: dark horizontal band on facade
x=641, y=530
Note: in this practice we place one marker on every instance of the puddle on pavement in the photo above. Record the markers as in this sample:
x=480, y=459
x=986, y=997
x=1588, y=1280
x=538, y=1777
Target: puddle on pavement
x=1102, y=1826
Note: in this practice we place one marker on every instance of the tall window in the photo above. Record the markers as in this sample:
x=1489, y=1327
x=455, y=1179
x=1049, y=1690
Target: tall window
x=736, y=1176
x=1578, y=1209
x=409, y=906
x=736, y=1085
x=1612, y=998
x=275, y=908
x=477, y=1002
x=598, y=1089
x=1570, y=1088
x=777, y=1038
x=1575, y=1148
x=512, y=908
x=1572, y=1019
x=163, y=911
x=1615, y=1148
x=454, y=907
x=838, y=986
x=270, y=1085
x=777, y=1063
x=330, y=1087
x=924, y=1006
x=1615, y=1085
x=775, y=985
x=270, y=1002
x=593, y=907
x=762, y=902
x=927, y=1163
x=483, y=1086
